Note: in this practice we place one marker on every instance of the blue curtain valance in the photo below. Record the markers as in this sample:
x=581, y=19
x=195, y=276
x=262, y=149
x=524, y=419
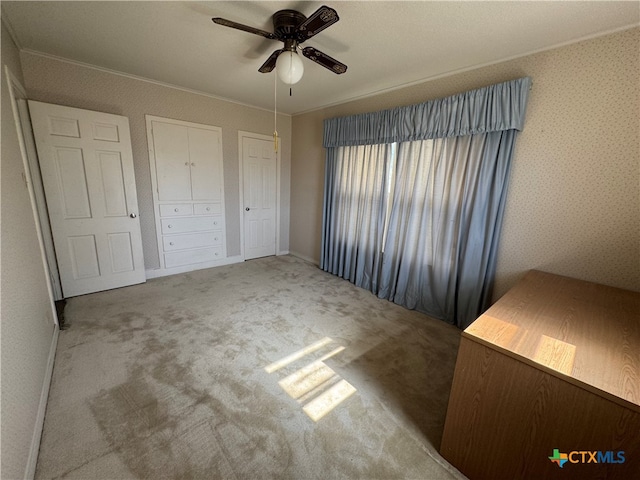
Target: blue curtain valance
x=489, y=109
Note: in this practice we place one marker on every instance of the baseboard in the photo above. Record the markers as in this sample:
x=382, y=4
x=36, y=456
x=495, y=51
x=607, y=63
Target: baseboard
x=164, y=272
x=32, y=460
x=282, y=252
x=305, y=258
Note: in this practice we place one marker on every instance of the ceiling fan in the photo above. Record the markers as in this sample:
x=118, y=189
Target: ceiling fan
x=293, y=28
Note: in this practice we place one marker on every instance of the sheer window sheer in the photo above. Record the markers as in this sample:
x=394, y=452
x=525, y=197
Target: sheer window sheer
x=355, y=198
x=444, y=224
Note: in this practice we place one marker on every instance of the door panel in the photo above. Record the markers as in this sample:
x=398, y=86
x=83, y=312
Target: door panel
x=87, y=172
x=204, y=152
x=63, y=127
x=115, y=201
x=260, y=169
x=171, y=146
x=121, y=252
x=72, y=179
x=84, y=256
x=106, y=132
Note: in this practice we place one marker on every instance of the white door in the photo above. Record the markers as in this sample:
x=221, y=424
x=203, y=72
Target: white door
x=188, y=162
x=206, y=164
x=259, y=176
x=171, y=148
x=87, y=171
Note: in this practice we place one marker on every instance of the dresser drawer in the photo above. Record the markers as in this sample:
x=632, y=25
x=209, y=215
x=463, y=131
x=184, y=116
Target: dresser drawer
x=190, y=224
x=190, y=257
x=192, y=240
x=176, y=210
x=207, y=209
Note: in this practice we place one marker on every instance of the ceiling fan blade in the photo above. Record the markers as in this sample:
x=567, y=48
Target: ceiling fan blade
x=325, y=60
x=244, y=28
x=270, y=64
x=319, y=20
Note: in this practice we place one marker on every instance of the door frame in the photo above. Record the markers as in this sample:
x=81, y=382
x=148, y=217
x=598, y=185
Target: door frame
x=259, y=136
x=33, y=183
x=35, y=189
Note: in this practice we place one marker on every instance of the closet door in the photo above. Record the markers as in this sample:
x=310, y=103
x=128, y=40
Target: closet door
x=259, y=174
x=173, y=165
x=206, y=171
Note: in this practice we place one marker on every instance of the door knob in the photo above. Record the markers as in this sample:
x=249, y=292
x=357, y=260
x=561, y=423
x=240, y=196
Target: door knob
x=132, y=215
x=247, y=209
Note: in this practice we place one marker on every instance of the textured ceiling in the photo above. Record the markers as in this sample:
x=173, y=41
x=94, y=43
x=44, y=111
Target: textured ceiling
x=385, y=44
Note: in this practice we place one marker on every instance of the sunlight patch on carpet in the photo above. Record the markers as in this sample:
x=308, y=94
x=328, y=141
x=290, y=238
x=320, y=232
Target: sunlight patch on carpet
x=306, y=379
x=316, y=386
x=297, y=355
x=328, y=400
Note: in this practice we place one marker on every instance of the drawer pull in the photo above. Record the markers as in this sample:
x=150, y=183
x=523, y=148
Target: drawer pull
x=215, y=223
x=169, y=226
x=186, y=164
x=176, y=209
x=170, y=243
x=215, y=238
x=208, y=209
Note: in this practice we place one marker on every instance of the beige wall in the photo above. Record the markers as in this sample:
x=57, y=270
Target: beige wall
x=27, y=325
x=54, y=81
x=573, y=205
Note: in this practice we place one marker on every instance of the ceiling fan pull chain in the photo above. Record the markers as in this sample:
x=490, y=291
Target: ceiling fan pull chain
x=275, y=113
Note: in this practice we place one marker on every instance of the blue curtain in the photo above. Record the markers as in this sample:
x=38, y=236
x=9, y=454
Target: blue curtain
x=414, y=199
x=490, y=109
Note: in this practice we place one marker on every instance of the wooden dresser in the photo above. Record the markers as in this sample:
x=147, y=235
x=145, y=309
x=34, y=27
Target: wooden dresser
x=552, y=368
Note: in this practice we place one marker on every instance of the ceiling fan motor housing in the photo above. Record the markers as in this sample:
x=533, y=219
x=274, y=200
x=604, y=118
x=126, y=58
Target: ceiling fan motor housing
x=285, y=25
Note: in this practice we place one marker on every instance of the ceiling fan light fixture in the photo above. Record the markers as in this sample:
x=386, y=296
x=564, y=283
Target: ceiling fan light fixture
x=289, y=67
x=293, y=28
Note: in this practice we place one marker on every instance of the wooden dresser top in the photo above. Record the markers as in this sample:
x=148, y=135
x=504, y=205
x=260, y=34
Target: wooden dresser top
x=583, y=332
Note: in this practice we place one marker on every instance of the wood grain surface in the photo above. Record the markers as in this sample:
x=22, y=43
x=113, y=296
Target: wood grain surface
x=505, y=418
x=598, y=325
x=554, y=364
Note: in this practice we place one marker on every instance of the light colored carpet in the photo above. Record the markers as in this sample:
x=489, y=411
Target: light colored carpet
x=268, y=369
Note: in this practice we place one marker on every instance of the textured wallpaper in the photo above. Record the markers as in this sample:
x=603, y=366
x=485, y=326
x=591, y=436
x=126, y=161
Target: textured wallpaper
x=53, y=81
x=573, y=205
x=27, y=316
x=574, y=197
